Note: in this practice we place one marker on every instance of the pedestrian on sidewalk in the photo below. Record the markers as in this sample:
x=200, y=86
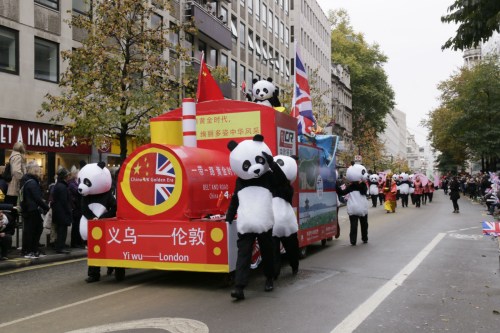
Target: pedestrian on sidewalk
x=76, y=209
x=17, y=163
x=61, y=210
x=6, y=232
x=31, y=203
x=455, y=193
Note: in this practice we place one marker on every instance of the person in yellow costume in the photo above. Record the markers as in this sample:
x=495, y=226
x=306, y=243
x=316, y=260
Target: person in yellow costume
x=390, y=191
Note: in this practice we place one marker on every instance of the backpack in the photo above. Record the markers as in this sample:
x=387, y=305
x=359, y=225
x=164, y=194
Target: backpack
x=7, y=173
x=20, y=198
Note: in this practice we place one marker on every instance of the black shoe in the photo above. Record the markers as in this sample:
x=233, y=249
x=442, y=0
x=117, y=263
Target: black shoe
x=63, y=252
x=353, y=244
x=364, y=242
x=238, y=293
x=110, y=271
x=91, y=279
x=269, y=286
x=295, y=270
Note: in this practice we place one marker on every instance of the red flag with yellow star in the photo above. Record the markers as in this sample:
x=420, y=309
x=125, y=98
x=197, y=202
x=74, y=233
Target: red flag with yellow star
x=208, y=89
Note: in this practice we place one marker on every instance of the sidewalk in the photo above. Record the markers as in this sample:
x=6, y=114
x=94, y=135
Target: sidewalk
x=16, y=260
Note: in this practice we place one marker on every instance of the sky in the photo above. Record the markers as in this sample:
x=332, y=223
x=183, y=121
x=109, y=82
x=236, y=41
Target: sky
x=411, y=34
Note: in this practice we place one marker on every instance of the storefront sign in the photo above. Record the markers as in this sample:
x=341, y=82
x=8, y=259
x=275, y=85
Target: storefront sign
x=39, y=137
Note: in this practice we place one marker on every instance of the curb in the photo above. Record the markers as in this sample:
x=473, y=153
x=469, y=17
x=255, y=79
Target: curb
x=20, y=262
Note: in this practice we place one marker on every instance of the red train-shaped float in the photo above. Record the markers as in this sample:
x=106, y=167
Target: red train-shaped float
x=173, y=193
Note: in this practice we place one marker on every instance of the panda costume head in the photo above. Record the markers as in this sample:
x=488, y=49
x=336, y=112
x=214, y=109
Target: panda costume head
x=356, y=173
x=94, y=183
x=265, y=92
x=373, y=178
x=246, y=158
x=288, y=164
x=94, y=178
x=404, y=176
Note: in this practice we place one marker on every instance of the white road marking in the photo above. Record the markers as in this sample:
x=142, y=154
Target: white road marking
x=355, y=318
x=172, y=325
x=30, y=268
x=43, y=313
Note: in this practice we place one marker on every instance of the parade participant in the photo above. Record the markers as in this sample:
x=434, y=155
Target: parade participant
x=404, y=189
x=285, y=221
x=431, y=191
x=455, y=194
x=381, y=184
x=373, y=189
x=252, y=201
x=94, y=184
x=390, y=191
x=419, y=190
x=425, y=193
x=357, y=205
x=411, y=179
x=444, y=185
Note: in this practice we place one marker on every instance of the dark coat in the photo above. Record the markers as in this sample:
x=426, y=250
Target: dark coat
x=454, y=190
x=32, y=195
x=61, y=204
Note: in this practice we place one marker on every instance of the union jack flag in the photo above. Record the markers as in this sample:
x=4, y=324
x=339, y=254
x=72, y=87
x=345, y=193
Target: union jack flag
x=491, y=228
x=301, y=102
x=165, y=168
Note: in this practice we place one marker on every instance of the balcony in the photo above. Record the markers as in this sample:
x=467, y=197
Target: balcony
x=209, y=25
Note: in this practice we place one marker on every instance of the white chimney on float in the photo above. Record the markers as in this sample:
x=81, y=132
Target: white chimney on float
x=189, y=122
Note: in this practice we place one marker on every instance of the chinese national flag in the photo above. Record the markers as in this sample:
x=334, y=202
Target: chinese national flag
x=208, y=89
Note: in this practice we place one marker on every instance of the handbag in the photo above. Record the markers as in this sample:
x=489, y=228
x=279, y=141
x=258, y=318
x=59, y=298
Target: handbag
x=47, y=219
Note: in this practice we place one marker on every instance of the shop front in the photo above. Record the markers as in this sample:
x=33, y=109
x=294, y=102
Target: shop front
x=45, y=144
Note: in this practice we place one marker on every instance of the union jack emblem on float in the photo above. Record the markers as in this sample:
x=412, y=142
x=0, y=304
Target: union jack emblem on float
x=165, y=168
x=491, y=228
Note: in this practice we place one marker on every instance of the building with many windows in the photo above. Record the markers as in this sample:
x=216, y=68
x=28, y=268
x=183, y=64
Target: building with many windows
x=253, y=39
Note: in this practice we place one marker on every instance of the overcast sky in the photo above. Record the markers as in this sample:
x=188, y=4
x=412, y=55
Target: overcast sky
x=410, y=33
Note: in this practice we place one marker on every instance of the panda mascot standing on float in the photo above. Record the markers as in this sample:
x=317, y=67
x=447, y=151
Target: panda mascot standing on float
x=264, y=92
x=94, y=184
x=252, y=203
x=357, y=204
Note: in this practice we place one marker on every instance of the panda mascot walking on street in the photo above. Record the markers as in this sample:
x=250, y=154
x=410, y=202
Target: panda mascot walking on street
x=373, y=179
x=404, y=189
x=285, y=221
x=357, y=205
x=252, y=202
x=94, y=184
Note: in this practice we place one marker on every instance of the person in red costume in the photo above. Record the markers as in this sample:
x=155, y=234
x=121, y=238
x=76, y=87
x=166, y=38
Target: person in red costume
x=390, y=191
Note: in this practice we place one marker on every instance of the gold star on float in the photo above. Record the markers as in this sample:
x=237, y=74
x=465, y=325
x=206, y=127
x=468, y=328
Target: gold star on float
x=137, y=168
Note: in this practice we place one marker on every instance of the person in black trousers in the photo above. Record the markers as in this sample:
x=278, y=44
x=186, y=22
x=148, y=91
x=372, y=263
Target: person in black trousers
x=455, y=193
x=61, y=210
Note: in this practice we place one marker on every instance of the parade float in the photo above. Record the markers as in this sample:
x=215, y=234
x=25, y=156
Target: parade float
x=172, y=193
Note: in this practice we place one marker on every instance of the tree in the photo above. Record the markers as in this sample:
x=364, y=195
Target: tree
x=119, y=78
x=466, y=123
x=478, y=20
x=372, y=96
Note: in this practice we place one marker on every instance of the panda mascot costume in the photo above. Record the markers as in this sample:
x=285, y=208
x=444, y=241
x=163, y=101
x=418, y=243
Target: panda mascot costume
x=404, y=188
x=94, y=184
x=412, y=188
x=264, y=92
x=357, y=205
x=252, y=202
x=285, y=221
x=373, y=189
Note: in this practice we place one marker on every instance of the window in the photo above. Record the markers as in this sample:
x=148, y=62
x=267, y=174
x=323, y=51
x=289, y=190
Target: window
x=233, y=27
x=223, y=14
x=270, y=55
x=9, y=50
x=282, y=28
x=264, y=15
x=223, y=60
x=264, y=52
x=270, y=20
x=258, y=52
x=232, y=73
x=189, y=44
x=257, y=10
x=242, y=35
x=81, y=6
x=156, y=21
x=286, y=6
x=287, y=36
x=242, y=73
x=212, y=57
x=250, y=6
x=250, y=78
x=46, y=60
x=282, y=62
x=276, y=26
x=202, y=47
x=287, y=71
x=250, y=40
x=54, y=4
x=173, y=35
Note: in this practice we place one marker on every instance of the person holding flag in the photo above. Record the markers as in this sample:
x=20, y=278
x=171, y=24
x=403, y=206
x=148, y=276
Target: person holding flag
x=301, y=101
x=208, y=89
